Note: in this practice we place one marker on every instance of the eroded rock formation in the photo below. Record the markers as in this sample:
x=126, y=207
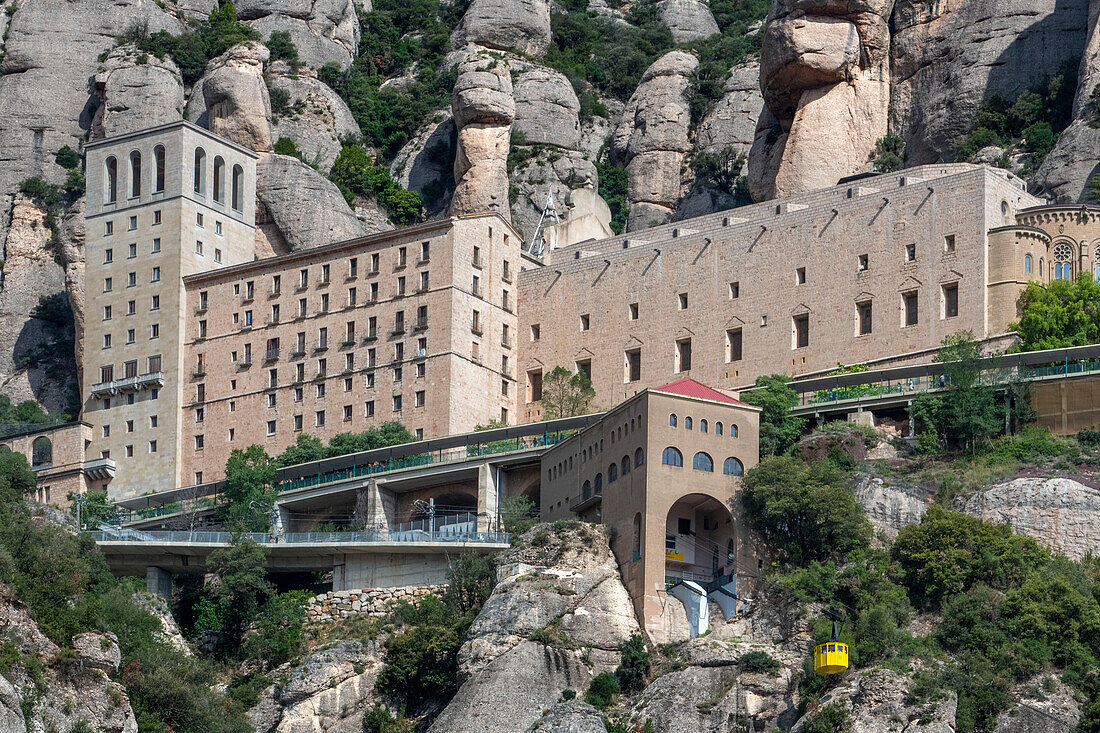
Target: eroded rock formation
x=135, y=91
x=522, y=26
x=687, y=20
x=316, y=118
x=238, y=107
x=652, y=139
x=483, y=110
x=877, y=700
x=323, y=31
x=282, y=184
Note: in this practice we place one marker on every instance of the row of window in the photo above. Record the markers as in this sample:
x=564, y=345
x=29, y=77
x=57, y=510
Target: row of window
x=129, y=369
x=131, y=398
x=613, y=473
x=702, y=462
x=704, y=426
x=111, y=179
x=109, y=226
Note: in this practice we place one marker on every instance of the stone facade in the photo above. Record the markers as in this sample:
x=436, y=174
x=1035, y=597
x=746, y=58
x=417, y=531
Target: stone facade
x=57, y=456
x=874, y=270
x=162, y=203
x=335, y=605
x=665, y=520
x=395, y=326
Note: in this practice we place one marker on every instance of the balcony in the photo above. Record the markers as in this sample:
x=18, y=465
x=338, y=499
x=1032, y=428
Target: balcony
x=320, y=376
x=248, y=298
x=353, y=275
x=421, y=354
x=301, y=287
x=478, y=263
x=421, y=324
x=320, y=345
x=271, y=355
x=199, y=371
x=372, y=272
x=476, y=329
x=129, y=384
x=200, y=309
x=348, y=342
x=275, y=293
x=100, y=468
x=422, y=260
x=244, y=362
x=369, y=336
x=298, y=352
x=324, y=282
x=506, y=342
x=398, y=329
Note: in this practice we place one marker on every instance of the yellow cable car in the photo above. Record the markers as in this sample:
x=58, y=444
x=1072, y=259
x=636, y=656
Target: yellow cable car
x=832, y=656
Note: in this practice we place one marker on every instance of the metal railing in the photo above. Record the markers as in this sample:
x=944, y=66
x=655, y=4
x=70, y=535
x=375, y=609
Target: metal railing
x=265, y=538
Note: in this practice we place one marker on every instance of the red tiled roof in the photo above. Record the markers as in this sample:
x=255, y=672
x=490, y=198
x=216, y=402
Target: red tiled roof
x=691, y=388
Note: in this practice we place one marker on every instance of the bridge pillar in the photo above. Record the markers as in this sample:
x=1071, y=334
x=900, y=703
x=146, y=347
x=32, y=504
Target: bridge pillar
x=279, y=527
x=380, y=507
x=158, y=581
x=487, y=498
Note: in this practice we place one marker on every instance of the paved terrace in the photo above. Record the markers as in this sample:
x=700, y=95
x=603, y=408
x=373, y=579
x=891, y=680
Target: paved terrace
x=835, y=396
x=404, y=467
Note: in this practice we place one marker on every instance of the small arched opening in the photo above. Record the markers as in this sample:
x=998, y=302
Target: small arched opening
x=135, y=174
x=238, y=188
x=41, y=452
x=698, y=537
x=110, y=192
x=158, y=157
x=219, y=179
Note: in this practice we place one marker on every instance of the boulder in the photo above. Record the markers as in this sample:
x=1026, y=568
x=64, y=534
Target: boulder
x=169, y=632
x=546, y=108
x=98, y=650
x=316, y=118
x=570, y=717
x=878, y=699
x=522, y=26
x=483, y=110
x=890, y=508
x=512, y=691
x=237, y=103
x=136, y=90
x=1059, y=513
x=34, y=365
x=323, y=31
x=948, y=59
x=282, y=184
x=731, y=123
x=688, y=20
x=558, y=171
x=1066, y=171
x=1043, y=704
x=652, y=139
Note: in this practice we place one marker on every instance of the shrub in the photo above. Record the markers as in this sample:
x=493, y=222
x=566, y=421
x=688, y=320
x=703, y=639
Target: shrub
x=889, y=153
x=612, y=188
x=568, y=695
x=779, y=429
x=471, y=579
x=379, y=719
x=602, y=691
x=832, y=718
x=422, y=660
x=807, y=511
x=758, y=661
x=286, y=146
x=67, y=158
x=634, y=665
x=282, y=48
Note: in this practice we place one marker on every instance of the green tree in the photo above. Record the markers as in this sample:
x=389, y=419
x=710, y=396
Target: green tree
x=248, y=490
x=948, y=552
x=282, y=48
x=422, y=659
x=94, y=508
x=965, y=413
x=807, y=512
x=779, y=429
x=833, y=718
x=16, y=476
x=634, y=666
x=67, y=158
x=518, y=514
x=306, y=449
x=889, y=153
x=1059, y=314
x=472, y=578
x=565, y=394
x=240, y=589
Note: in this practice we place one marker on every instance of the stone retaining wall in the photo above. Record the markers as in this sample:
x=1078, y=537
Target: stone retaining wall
x=373, y=601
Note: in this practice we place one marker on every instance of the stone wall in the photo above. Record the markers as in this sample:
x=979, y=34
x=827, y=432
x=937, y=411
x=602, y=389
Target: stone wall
x=372, y=601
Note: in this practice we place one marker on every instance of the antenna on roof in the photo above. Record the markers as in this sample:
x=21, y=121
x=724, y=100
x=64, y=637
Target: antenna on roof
x=550, y=208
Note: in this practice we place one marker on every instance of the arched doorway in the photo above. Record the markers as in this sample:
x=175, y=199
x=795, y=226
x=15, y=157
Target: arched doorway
x=699, y=533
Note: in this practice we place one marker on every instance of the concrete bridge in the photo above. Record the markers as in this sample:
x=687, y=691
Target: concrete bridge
x=371, y=559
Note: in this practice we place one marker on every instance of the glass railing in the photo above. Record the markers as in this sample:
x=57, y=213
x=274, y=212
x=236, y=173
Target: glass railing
x=440, y=534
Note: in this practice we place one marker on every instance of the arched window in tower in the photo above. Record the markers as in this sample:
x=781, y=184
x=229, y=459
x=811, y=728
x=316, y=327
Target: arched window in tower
x=703, y=462
x=597, y=485
x=1096, y=265
x=672, y=420
x=238, y=188
x=219, y=179
x=731, y=554
x=639, y=458
x=626, y=465
x=586, y=491
x=200, y=171
x=636, y=539
x=135, y=174
x=158, y=157
x=717, y=428
x=612, y=472
x=687, y=423
x=702, y=426
x=1063, y=261
x=1027, y=264
x=110, y=194
x=41, y=451
x=672, y=457
x=733, y=467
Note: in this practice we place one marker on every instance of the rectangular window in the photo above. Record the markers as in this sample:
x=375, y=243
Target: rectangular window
x=368, y=408
x=156, y=245
x=634, y=365
x=198, y=219
x=683, y=301
x=107, y=373
x=425, y=249
x=374, y=264
x=319, y=418
x=270, y=427
x=352, y=294
x=131, y=279
x=154, y=331
x=107, y=283
x=129, y=451
x=156, y=216
x=156, y=274
x=397, y=403
x=111, y=226
x=198, y=248
x=303, y=279
x=683, y=355
x=353, y=267
x=420, y=398
x=108, y=256
x=863, y=318
x=200, y=442
x=632, y=311
x=133, y=223
x=154, y=364
x=106, y=340
x=325, y=274
x=585, y=367
x=951, y=300
x=131, y=251
x=909, y=308
x=735, y=290
x=218, y=229
x=347, y=413
x=106, y=312
x=155, y=304
x=733, y=345
x=585, y=322
x=534, y=385
x=800, y=276
x=276, y=284
x=862, y=263
x=910, y=252
x=801, y=331
x=536, y=332
x=297, y=423
x=152, y=421
x=949, y=243
x=402, y=256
